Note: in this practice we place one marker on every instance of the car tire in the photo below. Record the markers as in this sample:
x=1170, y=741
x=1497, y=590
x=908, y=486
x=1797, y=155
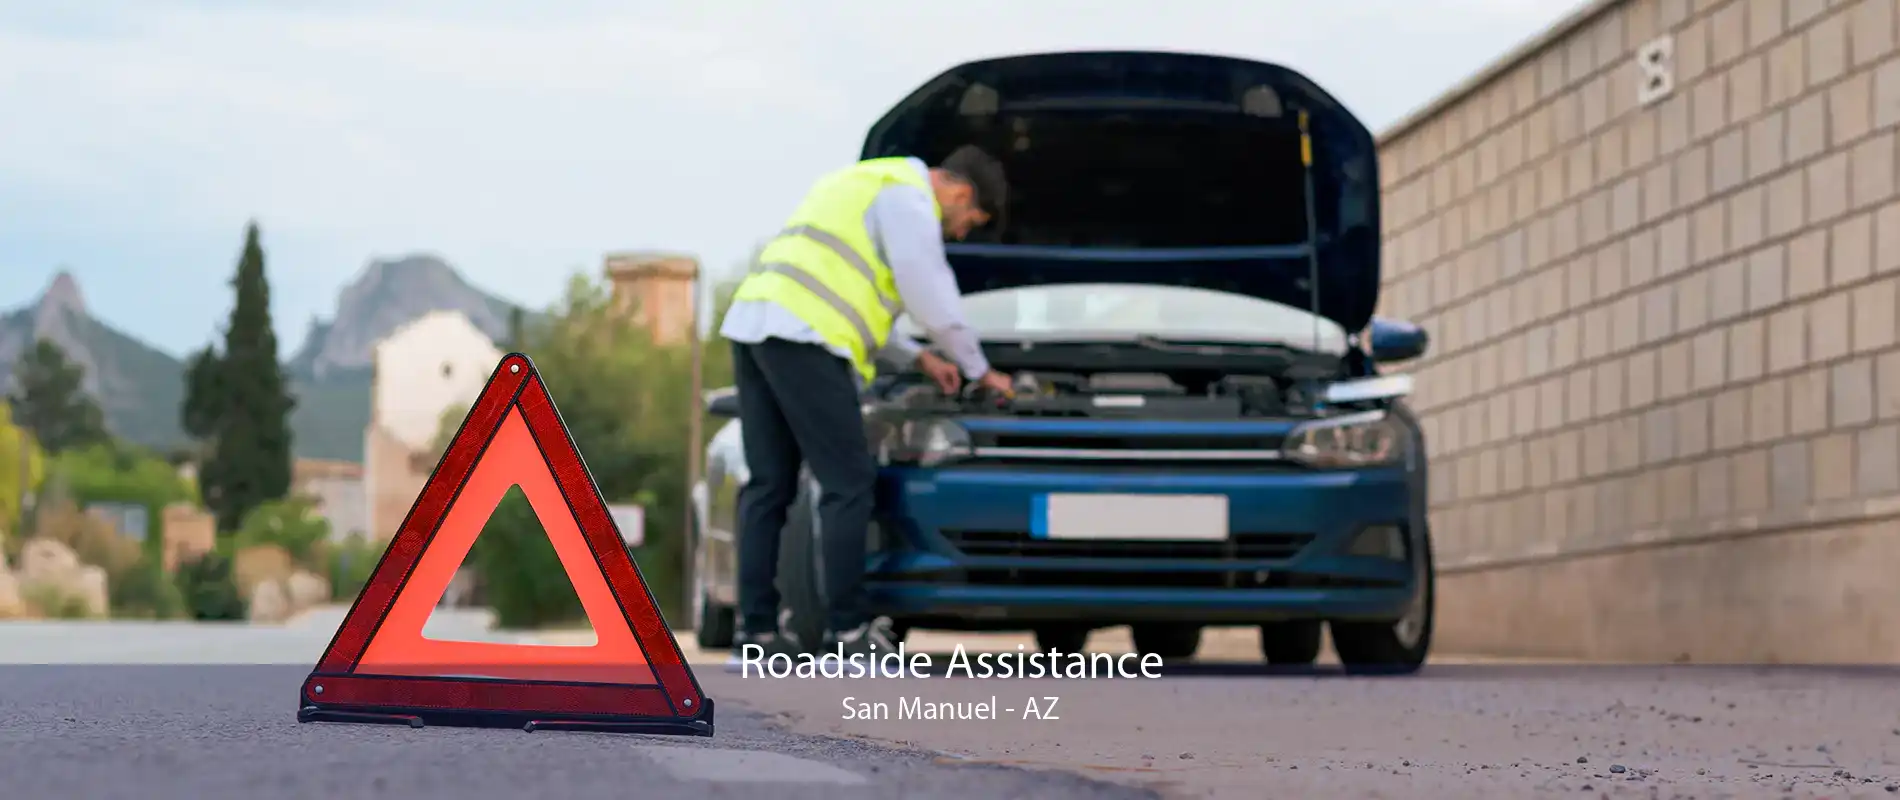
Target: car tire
x=1170, y=642
x=800, y=573
x=1066, y=638
x=1398, y=647
x=1292, y=643
x=714, y=624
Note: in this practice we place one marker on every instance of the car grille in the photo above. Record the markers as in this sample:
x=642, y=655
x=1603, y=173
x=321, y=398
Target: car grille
x=1178, y=579
x=1153, y=451
x=1019, y=544
x=1183, y=443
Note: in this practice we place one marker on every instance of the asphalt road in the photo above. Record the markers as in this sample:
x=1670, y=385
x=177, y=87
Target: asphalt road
x=229, y=731
x=123, y=712
x=1500, y=731
x=143, y=710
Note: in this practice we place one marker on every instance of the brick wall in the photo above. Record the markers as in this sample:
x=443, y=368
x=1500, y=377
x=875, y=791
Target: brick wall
x=1664, y=399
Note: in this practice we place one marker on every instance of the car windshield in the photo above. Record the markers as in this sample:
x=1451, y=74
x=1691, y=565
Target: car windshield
x=1115, y=310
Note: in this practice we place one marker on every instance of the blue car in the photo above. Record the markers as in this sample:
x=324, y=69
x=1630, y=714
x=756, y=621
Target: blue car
x=1183, y=287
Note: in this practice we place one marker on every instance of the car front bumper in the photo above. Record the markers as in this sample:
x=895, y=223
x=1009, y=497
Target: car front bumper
x=957, y=550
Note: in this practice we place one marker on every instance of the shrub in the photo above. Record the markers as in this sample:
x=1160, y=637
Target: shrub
x=52, y=602
x=520, y=572
x=93, y=540
x=146, y=592
x=292, y=524
x=210, y=589
x=135, y=584
x=349, y=564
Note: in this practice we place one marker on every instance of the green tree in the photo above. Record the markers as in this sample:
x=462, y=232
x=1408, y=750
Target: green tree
x=49, y=399
x=204, y=395
x=517, y=329
x=22, y=468
x=237, y=401
x=623, y=398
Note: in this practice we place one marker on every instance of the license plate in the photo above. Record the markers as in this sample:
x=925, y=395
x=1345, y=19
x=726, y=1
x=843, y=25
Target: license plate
x=1131, y=517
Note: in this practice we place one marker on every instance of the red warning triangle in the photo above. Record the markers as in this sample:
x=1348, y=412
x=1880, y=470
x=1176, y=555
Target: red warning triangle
x=380, y=668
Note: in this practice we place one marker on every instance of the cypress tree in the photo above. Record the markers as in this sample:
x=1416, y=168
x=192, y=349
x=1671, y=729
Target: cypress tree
x=238, y=401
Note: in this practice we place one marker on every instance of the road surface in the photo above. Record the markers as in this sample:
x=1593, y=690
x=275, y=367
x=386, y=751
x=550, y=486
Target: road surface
x=147, y=711
x=1206, y=730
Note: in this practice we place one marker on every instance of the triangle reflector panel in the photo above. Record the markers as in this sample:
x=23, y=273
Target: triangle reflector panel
x=380, y=667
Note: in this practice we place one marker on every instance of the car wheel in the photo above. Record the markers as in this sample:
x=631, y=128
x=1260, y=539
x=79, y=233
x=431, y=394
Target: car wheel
x=1170, y=642
x=1292, y=643
x=1066, y=638
x=714, y=625
x=713, y=622
x=800, y=574
x=1399, y=646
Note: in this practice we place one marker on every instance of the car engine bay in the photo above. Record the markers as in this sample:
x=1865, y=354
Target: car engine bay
x=1050, y=393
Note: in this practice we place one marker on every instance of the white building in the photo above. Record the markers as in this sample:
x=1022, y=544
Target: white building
x=422, y=371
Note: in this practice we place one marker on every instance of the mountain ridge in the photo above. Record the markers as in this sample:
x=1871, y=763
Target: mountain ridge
x=140, y=387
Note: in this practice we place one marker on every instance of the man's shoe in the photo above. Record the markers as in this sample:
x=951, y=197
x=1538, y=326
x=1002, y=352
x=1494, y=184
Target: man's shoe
x=873, y=638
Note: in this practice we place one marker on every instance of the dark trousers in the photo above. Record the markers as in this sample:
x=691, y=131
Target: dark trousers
x=799, y=404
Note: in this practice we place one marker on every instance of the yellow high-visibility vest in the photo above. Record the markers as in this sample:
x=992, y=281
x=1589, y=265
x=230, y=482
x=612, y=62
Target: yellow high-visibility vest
x=824, y=268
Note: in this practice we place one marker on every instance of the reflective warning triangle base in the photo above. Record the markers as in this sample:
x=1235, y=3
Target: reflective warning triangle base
x=380, y=668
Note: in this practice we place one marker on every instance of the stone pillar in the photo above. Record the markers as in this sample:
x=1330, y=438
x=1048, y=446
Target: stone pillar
x=658, y=289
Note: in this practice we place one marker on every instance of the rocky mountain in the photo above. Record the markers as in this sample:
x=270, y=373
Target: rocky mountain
x=140, y=388
x=386, y=295
x=330, y=372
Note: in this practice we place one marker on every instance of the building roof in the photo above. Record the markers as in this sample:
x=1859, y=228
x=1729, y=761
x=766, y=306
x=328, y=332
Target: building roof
x=1584, y=15
x=651, y=263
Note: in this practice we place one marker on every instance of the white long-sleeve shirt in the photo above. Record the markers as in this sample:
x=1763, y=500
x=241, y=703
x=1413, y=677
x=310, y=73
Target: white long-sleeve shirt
x=904, y=226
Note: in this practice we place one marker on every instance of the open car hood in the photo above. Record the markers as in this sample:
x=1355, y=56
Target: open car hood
x=1142, y=102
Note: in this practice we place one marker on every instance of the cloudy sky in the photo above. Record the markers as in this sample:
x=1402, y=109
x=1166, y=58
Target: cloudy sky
x=138, y=136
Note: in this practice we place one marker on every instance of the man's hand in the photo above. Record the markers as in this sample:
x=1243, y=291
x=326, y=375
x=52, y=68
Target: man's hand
x=940, y=372
x=998, y=383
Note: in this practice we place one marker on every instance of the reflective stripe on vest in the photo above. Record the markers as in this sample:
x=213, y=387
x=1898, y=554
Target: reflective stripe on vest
x=838, y=201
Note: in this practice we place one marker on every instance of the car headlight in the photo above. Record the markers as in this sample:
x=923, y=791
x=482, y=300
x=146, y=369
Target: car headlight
x=926, y=443
x=1366, y=439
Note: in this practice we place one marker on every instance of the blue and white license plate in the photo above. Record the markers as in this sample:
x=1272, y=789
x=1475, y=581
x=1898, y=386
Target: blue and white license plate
x=1131, y=517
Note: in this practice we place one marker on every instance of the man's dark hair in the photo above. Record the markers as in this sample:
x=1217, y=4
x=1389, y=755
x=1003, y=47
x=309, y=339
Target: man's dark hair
x=984, y=174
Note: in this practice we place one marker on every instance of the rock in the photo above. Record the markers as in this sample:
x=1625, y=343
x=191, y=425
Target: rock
x=269, y=603
x=254, y=565
x=46, y=561
x=89, y=585
x=50, y=569
x=307, y=589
